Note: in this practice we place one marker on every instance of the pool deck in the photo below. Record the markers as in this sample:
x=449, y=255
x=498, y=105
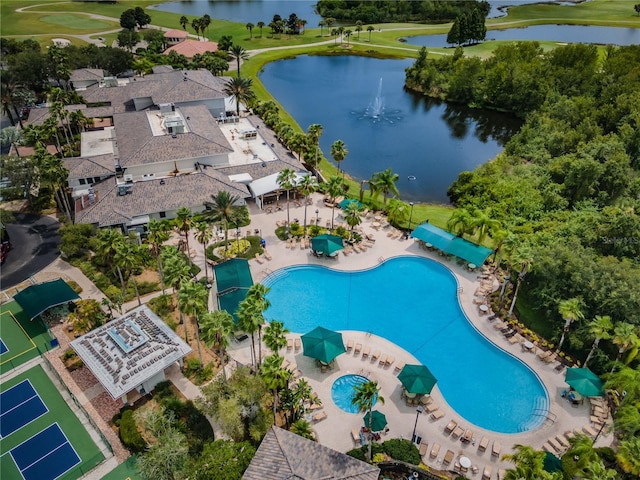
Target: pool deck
x=335, y=430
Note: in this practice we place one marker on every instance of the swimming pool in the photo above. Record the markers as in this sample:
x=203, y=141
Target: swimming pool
x=412, y=302
x=343, y=391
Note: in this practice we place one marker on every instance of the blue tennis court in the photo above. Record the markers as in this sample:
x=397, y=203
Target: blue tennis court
x=3, y=347
x=19, y=406
x=46, y=455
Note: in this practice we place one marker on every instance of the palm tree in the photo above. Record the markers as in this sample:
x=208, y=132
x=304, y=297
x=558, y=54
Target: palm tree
x=529, y=465
x=78, y=120
x=128, y=257
x=205, y=21
x=303, y=428
x=599, y=328
x=335, y=187
x=370, y=29
x=250, y=28
x=239, y=89
x=12, y=136
x=625, y=337
x=628, y=456
x=358, y=28
x=597, y=471
x=216, y=328
x=107, y=243
x=51, y=172
x=251, y=319
x=157, y=235
x=203, y=236
x=581, y=450
x=307, y=185
x=10, y=86
x=482, y=224
x=222, y=209
x=570, y=312
x=321, y=24
x=286, y=181
x=398, y=211
x=364, y=398
x=184, y=222
x=275, y=377
x=352, y=216
x=329, y=21
x=192, y=301
x=184, y=21
x=523, y=256
x=175, y=266
x=339, y=152
x=347, y=35
x=460, y=222
x=260, y=26
x=384, y=182
x=196, y=23
x=298, y=142
x=239, y=53
x=314, y=132
x=275, y=336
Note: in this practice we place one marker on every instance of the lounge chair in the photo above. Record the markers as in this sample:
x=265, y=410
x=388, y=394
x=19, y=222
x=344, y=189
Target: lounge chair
x=467, y=437
x=450, y=426
x=542, y=354
x=355, y=434
x=556, y=445
x=289, y=343
x=399, y=367
x=484, y=443
x=486, y=473
x=550, y=358
x=383, y=359
x=495, y=448
x=547, y=447
x=375, y=355
x=435, y=449
x=267, y=255
x=457, y=432
x=318, y=417
x=423, y=448
x=357, y=349
x=366, y=352
x=437, y=415
x=589, y=431
x=432, y=407
x=390, y=360
x=297, y=344
x=448, y=457
x=258, y=259
x=426, y=400
x=475, y=469
x=350, y=345
x=562, y=440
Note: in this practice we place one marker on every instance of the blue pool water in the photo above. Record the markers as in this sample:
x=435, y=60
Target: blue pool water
x=412, y=302
x=343, y=391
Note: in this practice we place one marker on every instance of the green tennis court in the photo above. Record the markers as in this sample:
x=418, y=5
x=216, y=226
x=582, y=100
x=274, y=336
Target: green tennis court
x=24, y=339
x=58, y=417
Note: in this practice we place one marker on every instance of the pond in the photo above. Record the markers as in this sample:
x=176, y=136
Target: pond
x=362, y=101
x=552, y=33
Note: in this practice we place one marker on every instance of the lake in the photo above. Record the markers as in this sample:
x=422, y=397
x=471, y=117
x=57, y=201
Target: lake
x=362, y=101
x=553, y=33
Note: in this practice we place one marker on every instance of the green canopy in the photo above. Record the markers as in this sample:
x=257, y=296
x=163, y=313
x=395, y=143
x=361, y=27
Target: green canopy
x=37, y=298
x=344, y=204
x=585, y=382
x=233, y=279
x=378, y=421
x=551, y=463
x=449, y=243
x=417, y=379
x=322, y=344
x=327, y=244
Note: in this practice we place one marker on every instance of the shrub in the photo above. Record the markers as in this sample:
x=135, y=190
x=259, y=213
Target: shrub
x=403, y=450
x=129, y=434
x=296, y=230
x=361, y=452
x=74, y=286
x=281, y=233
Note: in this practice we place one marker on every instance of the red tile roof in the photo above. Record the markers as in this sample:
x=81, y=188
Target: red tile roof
x=176, y=34
x=189, y=48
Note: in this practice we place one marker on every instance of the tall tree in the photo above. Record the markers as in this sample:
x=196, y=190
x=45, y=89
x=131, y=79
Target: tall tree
x=158, y=234
x=358, y=28
x=365, y=398
x=460, y=222
x=260, y=26
x=184, y=224
x=276, y=378
x=192, y=301
x=205, y=21
x=216, y=329
x=107, y=243
x=249, y=27
x=204, y=234
x=223, y=208
x=287, y=181
x=307, y=185
x=628, y=456
x=251, y=317
x=240, y=89
x=483, y=224
x=129, y=257
x=528, y=465
x=335, y=187
x=370, y=29
x=239, y=54
x=625, y=337
x=184, y=21
x=398, y=211
x=13, y=137
x=339, y=153
x=384, y=182
x=275, y=336
x=352, y=216
x=570, y=311
x=314, y=132
x=600, y=329
x=523, y=257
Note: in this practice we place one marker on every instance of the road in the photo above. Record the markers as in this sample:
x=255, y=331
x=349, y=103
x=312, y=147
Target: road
x=34, y=241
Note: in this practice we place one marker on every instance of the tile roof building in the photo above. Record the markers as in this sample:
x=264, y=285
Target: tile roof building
x=131, y=352
x=283, y=455
x=189, y=48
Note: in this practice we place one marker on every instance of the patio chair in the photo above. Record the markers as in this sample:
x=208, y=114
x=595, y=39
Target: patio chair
x=448, y=457
x=390, y=360
x=495, y=448
x=435, y=449
x=258, y=259
x=484, y=443
x=457, y=432
x=267, y=255
x=547, y=447
x=423, y=448
x=562, y=440
x=289, y=343
x=437, y=415
x=365, y=352
x=467, y=437
x=486, y=473
x=355, y=434
x=550, y=358
x=383, y=360
x=450, y=426
x=425, y=400
x=350, y=345
x=399, y=366
x=556, y=445
x=318, y=417
x=375, y=355
x=357, y=348
x=297, y=343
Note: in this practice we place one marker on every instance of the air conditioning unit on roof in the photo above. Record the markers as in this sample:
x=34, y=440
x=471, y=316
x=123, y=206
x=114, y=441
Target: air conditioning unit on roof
x=128, y=178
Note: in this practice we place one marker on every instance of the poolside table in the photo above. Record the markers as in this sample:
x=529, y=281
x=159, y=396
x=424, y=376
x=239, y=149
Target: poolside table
x=465, y=462
x=484, y=308
x=471, y=267
x=528, y=345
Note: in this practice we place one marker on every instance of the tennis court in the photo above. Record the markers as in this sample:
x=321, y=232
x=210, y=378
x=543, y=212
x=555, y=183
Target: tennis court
x=21, y=338
x=41, y=437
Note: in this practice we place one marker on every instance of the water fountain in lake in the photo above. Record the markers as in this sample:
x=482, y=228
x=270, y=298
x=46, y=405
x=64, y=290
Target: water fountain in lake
x=376, y=110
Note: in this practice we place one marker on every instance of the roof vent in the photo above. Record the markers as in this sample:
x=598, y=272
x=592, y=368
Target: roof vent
x=162, y=181
x=174, y=135
x=264, y=164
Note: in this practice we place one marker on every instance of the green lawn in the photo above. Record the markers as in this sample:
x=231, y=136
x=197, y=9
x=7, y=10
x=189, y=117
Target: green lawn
x=58, y=412
x=124, y=471
x=76, y=22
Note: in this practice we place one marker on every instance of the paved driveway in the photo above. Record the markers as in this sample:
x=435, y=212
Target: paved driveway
x=34, y=241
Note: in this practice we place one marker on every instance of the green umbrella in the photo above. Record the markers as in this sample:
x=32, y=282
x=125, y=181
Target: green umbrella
x=322, y=344
x=378, y=422
x=344, y=204
x=584, y=381
x=417, y=379
x=327, y=244
x=551, y=463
